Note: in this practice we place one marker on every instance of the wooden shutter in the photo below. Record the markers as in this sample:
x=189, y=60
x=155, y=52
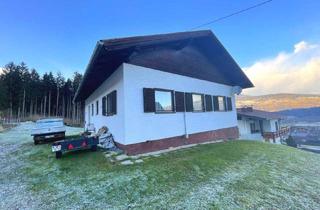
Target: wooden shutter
x=173, y=101
x=188, y=101
x=179, y=98
x=97, y=107
x=215, y=103
x=92, y=110
x=114, y=102
x=208, y=103
x=104, y=106
x=148, y=100
x=225, y=103
x=229, y=104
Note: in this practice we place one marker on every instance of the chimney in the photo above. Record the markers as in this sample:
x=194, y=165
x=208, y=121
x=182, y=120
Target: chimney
x=247, y=109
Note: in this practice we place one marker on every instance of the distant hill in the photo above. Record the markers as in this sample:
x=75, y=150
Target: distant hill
x=303, y=114
x=278, y=102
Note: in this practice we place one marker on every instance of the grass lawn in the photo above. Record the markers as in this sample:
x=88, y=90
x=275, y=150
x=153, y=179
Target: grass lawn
x=238, y=174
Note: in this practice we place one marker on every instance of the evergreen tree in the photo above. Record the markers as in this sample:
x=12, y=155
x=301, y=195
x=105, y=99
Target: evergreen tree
x=26, y=95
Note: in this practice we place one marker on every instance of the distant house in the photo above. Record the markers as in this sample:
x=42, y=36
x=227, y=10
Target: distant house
x=260, y=125
x=160, y=91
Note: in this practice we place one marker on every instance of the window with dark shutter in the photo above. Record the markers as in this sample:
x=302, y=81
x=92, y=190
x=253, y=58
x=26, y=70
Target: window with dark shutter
x=148, y=100
x=215, y=103
x=208, y=99
x=92, y=110
x=104, y=106
x=188, y=99
x=164, y=101
x=222, y=103
x=112, y=103
x=179, y=98
x=97, y=107
x=229, y=104
x=197, y=102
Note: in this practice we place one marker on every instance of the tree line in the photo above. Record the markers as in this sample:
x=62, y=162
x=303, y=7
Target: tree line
x=26, y=95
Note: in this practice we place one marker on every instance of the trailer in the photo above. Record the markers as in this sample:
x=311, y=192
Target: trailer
x=47, y=130
x=88, y=140
x=83, y=142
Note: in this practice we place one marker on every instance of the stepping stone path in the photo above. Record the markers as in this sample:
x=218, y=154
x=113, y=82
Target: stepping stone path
x=127, y=162
x=138, y=161
x=122, y=157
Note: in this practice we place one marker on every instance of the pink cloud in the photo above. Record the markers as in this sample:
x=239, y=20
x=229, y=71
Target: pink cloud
x=294, y=72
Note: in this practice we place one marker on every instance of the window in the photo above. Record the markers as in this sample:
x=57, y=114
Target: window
x=92, y=109
x=104, y=106
x=253, y=128
x=163, y=100
x=221, y=103
x=197, y=102
x=112, y=103
x=97, y=107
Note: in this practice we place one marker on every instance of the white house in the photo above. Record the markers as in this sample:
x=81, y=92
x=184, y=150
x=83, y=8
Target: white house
x=160, y=91
x=260, y=125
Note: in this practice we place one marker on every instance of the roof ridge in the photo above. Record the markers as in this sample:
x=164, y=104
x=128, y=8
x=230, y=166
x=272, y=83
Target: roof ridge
x=157, y=37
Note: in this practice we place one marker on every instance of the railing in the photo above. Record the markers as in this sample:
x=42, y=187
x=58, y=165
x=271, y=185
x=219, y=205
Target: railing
x=283, y=132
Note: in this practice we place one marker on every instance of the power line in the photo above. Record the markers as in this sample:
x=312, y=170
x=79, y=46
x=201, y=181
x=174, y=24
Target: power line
x=232, y=14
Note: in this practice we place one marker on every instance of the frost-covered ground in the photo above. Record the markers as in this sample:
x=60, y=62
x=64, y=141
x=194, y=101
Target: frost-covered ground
x=242, y=174
x=15, y=147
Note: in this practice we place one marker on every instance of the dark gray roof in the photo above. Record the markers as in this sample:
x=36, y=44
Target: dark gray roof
x=254, y=113
x=197, y=54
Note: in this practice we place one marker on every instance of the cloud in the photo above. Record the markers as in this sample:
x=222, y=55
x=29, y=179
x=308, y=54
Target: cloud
x=1, y=70
x=288, y=72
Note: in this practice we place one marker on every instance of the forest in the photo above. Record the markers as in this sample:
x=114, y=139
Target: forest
x=27, y=95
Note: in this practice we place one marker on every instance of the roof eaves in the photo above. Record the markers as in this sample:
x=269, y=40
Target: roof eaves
x=96, y=51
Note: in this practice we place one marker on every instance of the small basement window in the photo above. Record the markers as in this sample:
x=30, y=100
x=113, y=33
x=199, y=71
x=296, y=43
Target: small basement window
x=222, y=103
x=197, y=102
x=163, y=101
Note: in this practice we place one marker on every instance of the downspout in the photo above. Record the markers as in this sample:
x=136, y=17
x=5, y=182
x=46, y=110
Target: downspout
x=186, y=135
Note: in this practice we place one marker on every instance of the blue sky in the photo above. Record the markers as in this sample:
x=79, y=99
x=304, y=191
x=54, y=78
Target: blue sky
x=60, y=35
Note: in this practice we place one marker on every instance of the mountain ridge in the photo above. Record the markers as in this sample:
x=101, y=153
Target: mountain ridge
x=280, y=101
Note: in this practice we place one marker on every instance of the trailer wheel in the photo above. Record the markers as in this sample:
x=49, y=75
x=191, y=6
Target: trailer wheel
x=58, y=155
x=94, y=148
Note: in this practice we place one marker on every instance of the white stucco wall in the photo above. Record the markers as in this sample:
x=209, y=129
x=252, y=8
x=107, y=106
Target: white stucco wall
x=116, y=122
x=244, y=126
x=245, y=130
x=140, y=126
x=273, y=125
x=266, y=126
